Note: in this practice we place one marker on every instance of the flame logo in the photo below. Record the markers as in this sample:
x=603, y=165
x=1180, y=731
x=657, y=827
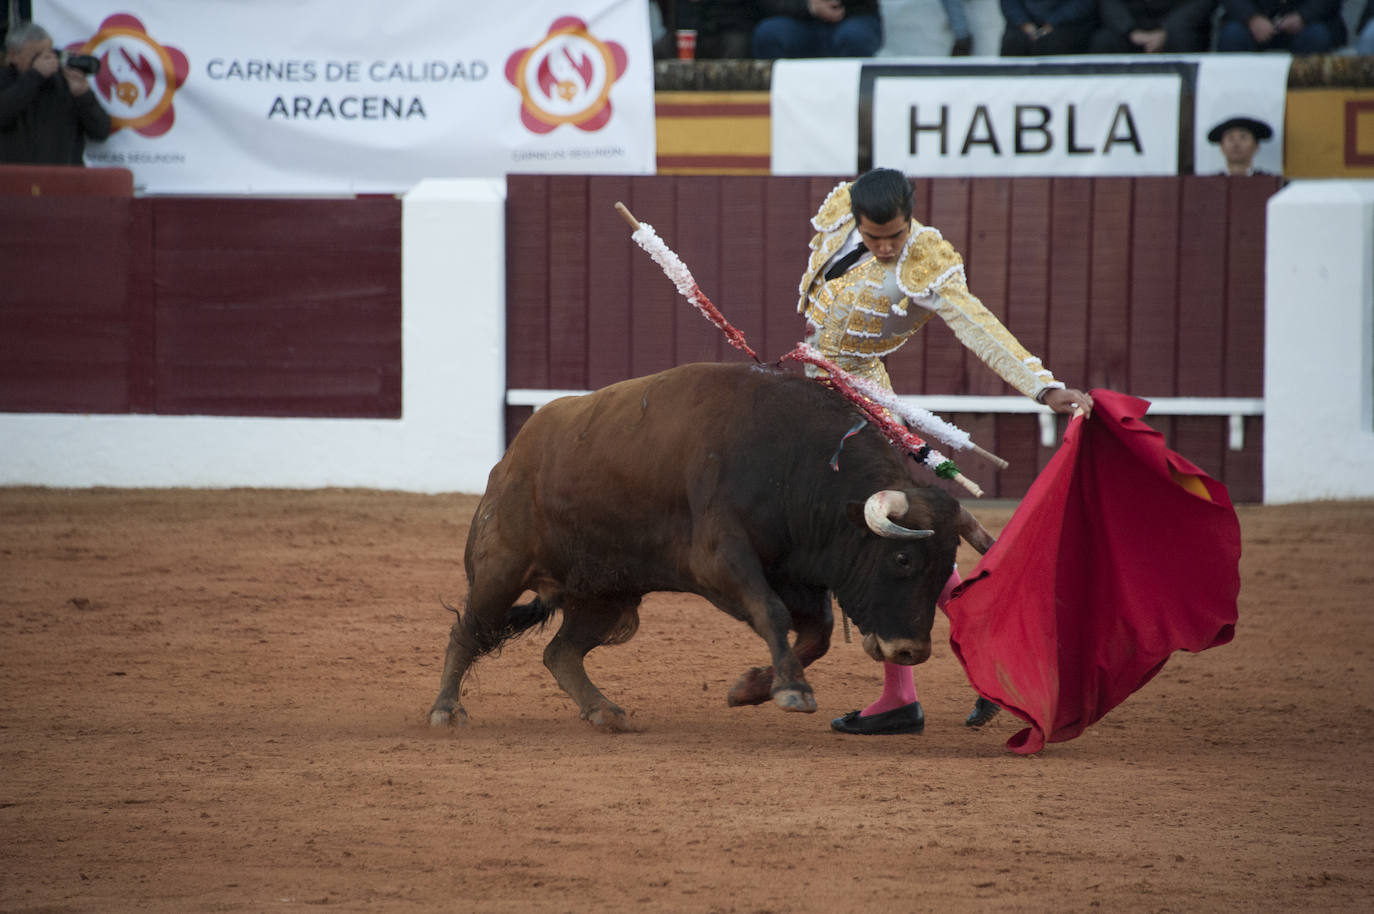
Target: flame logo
x=567, y=89
x=139, y=81
x=138, y=76
x=566, y=78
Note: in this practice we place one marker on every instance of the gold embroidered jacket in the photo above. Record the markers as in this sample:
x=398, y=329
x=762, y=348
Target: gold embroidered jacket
x=871, y=310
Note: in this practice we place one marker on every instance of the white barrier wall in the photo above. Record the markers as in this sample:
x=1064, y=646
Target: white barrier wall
x=1319, y=342
x=453, y=389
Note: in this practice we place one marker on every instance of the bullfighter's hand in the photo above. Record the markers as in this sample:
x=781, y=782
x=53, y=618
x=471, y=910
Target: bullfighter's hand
x=1068, y=401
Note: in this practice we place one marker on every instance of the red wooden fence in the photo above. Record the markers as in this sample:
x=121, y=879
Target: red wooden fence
x=1152, y=286
x=225, y=307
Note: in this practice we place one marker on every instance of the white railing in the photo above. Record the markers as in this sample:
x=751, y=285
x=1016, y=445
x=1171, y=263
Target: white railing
x=1234, y=408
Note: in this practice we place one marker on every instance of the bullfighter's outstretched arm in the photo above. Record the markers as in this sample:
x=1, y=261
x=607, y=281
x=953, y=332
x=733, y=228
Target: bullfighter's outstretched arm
x=932, y=275
x=984, y=335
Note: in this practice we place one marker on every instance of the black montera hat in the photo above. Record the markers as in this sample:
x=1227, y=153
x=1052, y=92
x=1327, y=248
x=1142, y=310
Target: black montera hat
x=1259, y=129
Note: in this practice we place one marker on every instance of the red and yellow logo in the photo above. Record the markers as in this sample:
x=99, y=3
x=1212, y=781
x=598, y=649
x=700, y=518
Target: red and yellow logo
x=138, y=76
x=566, y=78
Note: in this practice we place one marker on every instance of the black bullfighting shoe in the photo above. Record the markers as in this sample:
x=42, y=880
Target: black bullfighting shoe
x=906, y=719
x=983, y=711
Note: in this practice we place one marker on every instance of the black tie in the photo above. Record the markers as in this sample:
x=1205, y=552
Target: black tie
x=842, y=265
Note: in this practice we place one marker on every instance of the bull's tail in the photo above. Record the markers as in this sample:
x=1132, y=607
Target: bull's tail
x=525, y=616
x=483, y=637
x=480, y=629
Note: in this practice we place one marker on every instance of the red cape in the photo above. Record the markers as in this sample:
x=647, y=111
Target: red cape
x=1121, y=553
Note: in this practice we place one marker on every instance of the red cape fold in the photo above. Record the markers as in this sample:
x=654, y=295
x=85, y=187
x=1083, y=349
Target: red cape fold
x=1121, y=553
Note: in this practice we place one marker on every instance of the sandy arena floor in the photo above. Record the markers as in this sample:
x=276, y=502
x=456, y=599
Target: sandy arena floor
x=215, y=701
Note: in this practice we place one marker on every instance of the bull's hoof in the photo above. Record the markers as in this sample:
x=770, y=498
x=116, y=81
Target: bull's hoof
x=608, y=720
x=441, y=717
x=795, y=700
x=752, y=688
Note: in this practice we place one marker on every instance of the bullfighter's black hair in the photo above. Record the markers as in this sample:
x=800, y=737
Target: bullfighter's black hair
x=881, y=195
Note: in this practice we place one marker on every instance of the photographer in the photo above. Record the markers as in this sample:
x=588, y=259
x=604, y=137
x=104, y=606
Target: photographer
x=45, y=116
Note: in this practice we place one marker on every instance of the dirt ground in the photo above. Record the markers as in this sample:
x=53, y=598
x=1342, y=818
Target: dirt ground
x=215, y=701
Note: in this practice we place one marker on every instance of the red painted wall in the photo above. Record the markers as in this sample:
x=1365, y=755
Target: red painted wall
x=221, y=307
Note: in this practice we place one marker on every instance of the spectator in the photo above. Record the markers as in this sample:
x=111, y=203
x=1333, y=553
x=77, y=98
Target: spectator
x=45, y=115
x=958, y=25
x=1364, y=41
x=1040, y=27
x=818, y=28
x=726, y=28
x=1307, y=27
x=1153, y=26
x=908, y=30
x=1239, y=139
x=658, y=32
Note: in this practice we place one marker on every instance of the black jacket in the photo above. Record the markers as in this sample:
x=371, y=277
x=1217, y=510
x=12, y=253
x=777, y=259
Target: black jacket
x=801, y=8
x=42, y=123
x=1327, y=11
x=1125, y=16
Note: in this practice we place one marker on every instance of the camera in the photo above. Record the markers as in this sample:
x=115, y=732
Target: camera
x=83, y=62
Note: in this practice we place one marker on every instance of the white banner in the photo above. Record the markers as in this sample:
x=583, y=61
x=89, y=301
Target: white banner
x=314, y=96
x=1058, y=116
x=1028, y=124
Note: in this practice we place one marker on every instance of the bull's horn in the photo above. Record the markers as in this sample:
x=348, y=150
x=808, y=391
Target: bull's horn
x=879, y=510
x=972, y=531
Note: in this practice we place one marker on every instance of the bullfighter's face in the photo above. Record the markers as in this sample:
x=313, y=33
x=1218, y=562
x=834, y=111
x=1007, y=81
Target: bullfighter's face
x=885, y=239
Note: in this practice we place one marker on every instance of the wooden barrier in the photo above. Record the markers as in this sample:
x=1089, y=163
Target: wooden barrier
x=65, y=181
x=1153, y=286
x=228, y=307
x=291, y=308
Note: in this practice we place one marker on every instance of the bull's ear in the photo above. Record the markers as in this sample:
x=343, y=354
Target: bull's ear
x=854, y=510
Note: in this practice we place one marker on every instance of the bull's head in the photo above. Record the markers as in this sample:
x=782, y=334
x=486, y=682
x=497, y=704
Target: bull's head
x=907, y=552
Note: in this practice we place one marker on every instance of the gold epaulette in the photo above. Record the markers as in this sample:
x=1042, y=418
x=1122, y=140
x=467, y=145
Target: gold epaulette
x=835, y=209
x=928, y=261
x=832, y=223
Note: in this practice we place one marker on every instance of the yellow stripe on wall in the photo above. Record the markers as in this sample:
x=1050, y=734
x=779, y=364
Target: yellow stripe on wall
x=695, y=130
x=1329, y=133
x=714, y=136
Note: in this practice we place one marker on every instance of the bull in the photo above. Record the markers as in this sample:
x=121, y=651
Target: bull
x=712, y=479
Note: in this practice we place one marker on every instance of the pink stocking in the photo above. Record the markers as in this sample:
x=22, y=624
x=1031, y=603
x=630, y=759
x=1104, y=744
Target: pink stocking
x=899, y=688
x=899, y=682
